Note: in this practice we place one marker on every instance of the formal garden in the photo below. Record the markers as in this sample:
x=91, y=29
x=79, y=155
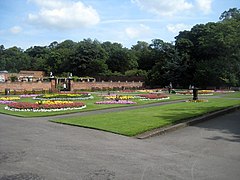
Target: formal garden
x=127, y=122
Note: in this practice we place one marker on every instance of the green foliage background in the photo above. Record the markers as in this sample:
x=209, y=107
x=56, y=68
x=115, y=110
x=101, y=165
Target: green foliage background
x=207, y=55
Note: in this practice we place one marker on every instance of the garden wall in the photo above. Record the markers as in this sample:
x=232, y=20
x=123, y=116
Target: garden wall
x=25, y=86
x=46, y=86
x=105, y=85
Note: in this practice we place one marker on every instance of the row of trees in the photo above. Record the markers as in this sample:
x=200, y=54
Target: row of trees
x=207, y=55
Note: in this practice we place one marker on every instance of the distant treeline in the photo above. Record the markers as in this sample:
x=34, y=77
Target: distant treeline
x=207, y=55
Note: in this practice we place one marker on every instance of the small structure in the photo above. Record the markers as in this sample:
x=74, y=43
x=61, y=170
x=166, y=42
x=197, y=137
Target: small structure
x=30, y=75
x=3, y=76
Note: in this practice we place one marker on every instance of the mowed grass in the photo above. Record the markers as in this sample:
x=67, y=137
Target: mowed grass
x=133, y=122
x=232, y=95
x=89, y=103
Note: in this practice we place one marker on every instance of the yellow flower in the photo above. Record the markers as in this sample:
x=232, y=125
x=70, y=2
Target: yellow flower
x=9, y=98
x=54, y=102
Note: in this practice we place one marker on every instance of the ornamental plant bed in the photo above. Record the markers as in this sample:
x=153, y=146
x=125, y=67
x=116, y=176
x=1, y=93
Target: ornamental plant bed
x=119, y=97
x=26, y=106
x=154, y=96
x=28, y=95
x=64, y=96
x=6, y=102
x=200, y=92
x=9, y=98
x=116, y=102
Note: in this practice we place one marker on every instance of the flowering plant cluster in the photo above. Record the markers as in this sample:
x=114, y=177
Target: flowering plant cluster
x=206, y=92
x=116, y=102
x=119, y=97
x=153, y=96
x=224, y=91
x=81, y=96
x=26, y=106
x=6, y=102
x=185, y=92
x=6, y=98
x=200, y=92
x=146, y=91
x=53, y=102
x=28, y=95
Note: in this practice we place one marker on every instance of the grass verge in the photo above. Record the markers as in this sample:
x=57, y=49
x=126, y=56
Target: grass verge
x=133, y=122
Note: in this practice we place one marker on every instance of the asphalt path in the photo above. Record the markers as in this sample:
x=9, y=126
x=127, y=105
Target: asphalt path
x=34, y=148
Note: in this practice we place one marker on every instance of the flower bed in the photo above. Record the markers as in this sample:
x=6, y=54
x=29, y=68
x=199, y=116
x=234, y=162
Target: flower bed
x=35, y=107
x=116, y=102
x=28, y=95
x=82, y=96
x=153, y=96
x=184, y=92
x=53, y=102
x=119, y=97
x=6, y=102
x=224, y=91
x=206, y=92
x=6, y=98
x=200, y=92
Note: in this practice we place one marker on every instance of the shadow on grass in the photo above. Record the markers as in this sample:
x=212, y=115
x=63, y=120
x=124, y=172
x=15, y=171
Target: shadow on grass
x=228, y=124
x=184, y=114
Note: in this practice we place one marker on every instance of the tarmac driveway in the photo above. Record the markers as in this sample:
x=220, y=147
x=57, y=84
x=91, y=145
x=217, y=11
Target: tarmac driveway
x=38, y=149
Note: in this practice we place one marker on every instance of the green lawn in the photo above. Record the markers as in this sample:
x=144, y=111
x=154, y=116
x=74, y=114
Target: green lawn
x=137, y=121
x=232, y=95
x=89, y=103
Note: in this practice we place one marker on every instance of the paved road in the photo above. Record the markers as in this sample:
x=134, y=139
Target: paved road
x=38, y=149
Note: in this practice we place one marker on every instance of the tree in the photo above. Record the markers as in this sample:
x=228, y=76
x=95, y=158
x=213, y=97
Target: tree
x=14, y=59
x=88, y=59
x=119, y=59
x=144, y=55
x=232, y=13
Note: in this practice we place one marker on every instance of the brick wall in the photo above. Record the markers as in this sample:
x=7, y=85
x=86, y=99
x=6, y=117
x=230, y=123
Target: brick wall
x=29, y=86
x=104, y=85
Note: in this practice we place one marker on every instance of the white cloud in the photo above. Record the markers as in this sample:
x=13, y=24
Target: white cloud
x=175, y=28
x=204, y=5
x=164, y=7
x=62, y=14
x=136, y=32
x=15, y=29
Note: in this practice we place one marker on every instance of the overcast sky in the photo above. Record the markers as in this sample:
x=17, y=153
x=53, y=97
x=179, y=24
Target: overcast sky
x=26, y=23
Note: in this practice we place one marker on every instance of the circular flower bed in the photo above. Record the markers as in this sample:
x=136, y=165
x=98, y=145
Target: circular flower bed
x=116, y=102
x=44, y=107
x=153, y=97
x=64, y=97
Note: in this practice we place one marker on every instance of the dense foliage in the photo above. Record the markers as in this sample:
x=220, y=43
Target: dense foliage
x=207, y=55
